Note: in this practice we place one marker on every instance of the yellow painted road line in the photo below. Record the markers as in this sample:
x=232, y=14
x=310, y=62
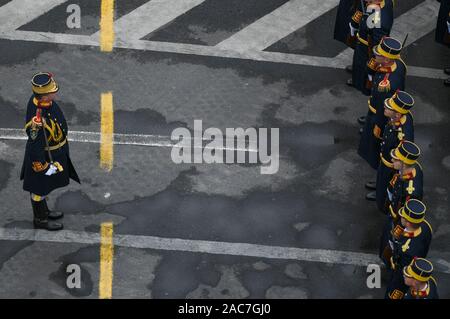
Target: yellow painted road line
x=107, y=26
x=107, y=132
x=106, y=261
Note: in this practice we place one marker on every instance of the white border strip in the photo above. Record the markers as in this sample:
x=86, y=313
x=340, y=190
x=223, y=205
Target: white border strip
x=338, y=62
x=206, y=247
x=118, y=139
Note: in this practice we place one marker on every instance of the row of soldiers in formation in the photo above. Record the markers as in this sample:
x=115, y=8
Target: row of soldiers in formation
x=387, y=141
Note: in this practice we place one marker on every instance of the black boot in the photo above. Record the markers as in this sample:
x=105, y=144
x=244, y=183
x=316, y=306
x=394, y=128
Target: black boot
x=41, y=219
x=52, y=214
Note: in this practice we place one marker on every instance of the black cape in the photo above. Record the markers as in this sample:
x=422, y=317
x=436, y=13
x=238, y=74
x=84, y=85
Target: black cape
x=37, y=182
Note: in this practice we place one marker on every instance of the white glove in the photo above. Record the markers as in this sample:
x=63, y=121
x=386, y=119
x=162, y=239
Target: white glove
x=391, y=244
x=352, y=30
x=52, y=170
x=390, y=196
x=370, y=77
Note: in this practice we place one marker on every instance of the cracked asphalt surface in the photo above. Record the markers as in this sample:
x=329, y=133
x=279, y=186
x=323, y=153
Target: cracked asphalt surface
x=315, y=201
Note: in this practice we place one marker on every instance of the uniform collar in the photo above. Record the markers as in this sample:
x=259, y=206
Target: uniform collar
x=381, y=4
x=387, y=69
x=412, y=234
x=400, y=122
x=44, y=105
x=410, y=175
x=421, y=293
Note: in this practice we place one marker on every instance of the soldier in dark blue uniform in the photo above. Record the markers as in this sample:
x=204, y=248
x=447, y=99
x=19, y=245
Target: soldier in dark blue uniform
x=406, y=184
x=418, y=277
x=348, y=12
x=369, y=35
x=443, y=29
x=409, y=239
x=47, y=163
x=400, y=127
x=389, y=77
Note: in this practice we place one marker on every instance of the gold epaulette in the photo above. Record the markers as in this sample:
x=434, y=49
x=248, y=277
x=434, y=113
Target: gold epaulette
x=357, y=16
x=396, y=294
x=372, y=64
x=397, y=231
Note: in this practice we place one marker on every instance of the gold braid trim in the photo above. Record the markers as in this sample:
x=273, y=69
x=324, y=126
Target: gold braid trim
x=396, y=294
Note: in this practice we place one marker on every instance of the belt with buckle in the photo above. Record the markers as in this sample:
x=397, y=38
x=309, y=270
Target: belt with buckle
x=57, y=146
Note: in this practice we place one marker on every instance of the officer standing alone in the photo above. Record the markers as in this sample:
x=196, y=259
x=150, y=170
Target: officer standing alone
x=46, y=165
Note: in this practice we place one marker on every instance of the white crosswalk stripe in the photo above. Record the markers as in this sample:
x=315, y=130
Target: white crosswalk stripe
x=248, y=44
x=17, y=13
x=150, y=17
x=417, y=22
x=192, y=49
x=281, y=22
x=121, y=139
x=209, y=247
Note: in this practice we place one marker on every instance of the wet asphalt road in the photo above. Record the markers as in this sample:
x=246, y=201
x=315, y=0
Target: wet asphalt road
x=315, y=201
